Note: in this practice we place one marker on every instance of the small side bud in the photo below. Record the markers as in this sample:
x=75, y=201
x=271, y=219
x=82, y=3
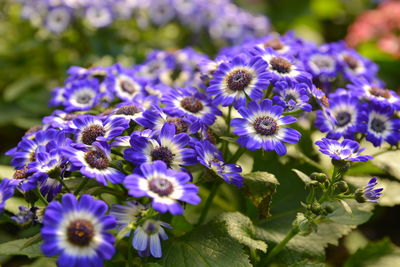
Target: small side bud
x=341, y=187
x=315, y=207
x=359, y=196
x=320, y=177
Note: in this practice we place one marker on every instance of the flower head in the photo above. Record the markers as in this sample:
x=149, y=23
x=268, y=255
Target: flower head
x=261, y=127
x=369, y=192
x=146, y=239
x=165, y=186
x=347, y=150
x=7, y=187
x=76, y=230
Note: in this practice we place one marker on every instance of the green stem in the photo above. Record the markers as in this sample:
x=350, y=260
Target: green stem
x=40, y=196
x=239, y=152
x=130, y=249
x=81, y=186
x=278, y=248
x=61, y=180
x=208, y=203
x=228, y=120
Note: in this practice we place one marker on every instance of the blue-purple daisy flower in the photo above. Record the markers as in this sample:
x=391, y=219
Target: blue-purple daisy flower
x=346, y=117
x=90, y=128
x=7, y=187
x=381, y=124
x=127, y=214
x=261, y=127
x=238, y=79
x=192, y=104
x=169, y=147
x=369, y=192
x=81, y=95
x=209, y=156
x=292, y=96
x=94, y=163
x=347, y=150
x=147, y=238
x=165, y=186
x=77, y=231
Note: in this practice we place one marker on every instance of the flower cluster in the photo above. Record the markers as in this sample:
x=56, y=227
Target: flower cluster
x=222, y=19
x=146, y=134
x=380, y=25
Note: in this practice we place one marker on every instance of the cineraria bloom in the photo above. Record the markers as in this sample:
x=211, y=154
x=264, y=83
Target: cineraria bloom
x=168, y=147
x=90, y=128
x=128, y=213
x=26, y=216
x=156, y=118
x=235, y=80
x=348, y=150
x=7, y=187
x=282, y=45
x=45, y=170
x=60, y=120
x=374, y=92
x=292, y=96
x=129, y=111
x=99, y=15
x=146, y=239
x=321, y=63
x=26, y=149
x=81, y=95
x=209, y=156
x=76, y=230
x=346, y=117
x=165, y=186
x=261, y=127
x=371, y=193
x=124, y=84
x=381, y=124
x=58, y=18
x=192, y=104
x=281, y=67
x=94, y=163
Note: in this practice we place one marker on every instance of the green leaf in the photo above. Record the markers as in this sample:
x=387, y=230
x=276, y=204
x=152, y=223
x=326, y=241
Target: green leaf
x=241, y=228
x=389, y=163
x=390, y=194
x=382, y=253
x=43, y=262
x=304, y=177
x=360, y=213
x=229, y=139
x=346, y=207
x=18, y=247
x=308, y=263
x=259, y=188
x=207, y=245
x=6, y=171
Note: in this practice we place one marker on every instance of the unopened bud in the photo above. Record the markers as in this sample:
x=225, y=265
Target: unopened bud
x=320, y=177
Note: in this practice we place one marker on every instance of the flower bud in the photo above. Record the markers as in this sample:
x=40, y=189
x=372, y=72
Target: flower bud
x=316, y=208
x=320, y=177
x=341, y=187
x=359, y=196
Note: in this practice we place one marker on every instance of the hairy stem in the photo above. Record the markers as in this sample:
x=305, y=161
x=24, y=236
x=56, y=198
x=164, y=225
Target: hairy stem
x=208, y=203
x=278, y=248
x=239, y=152
x=81, y=186
x=40, y=196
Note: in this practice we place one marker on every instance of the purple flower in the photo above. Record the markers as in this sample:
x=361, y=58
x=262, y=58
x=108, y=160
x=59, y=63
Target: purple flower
x=369, y=192
x=346, y=117
x=261, y=127
x=235, y=80
x=146, y=239
x=381, y=124
x=7, y=187
x=128, y=213
x=81, y=95
x=89, y=129
x=76, y=230
x=165, y=186
x=168, y=147
x=209, y=156
x=292, y=96
x=94, y=163
x=347, y=150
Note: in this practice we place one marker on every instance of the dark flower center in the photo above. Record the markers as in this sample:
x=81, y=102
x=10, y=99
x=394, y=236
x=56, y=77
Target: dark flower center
x=84, y=99
x=176, y=73
x=80, y=232
x=128, y=87
x=127, y=110
x=379, y=92
x=180, y=125
x=323, y=62
x=97, y=159
x=192, y=104
x=351, y=62
x=150, y=228
x=265, y=125
x=34, y=129
x=343, y=118
x=289, y=97
x=22, y=173
x=280, y=65
x=274, y=44
x=161, y=186
x=70, y=117
x=378, y=125
x=239, y=80
x=90, y=134
x=162, y=153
